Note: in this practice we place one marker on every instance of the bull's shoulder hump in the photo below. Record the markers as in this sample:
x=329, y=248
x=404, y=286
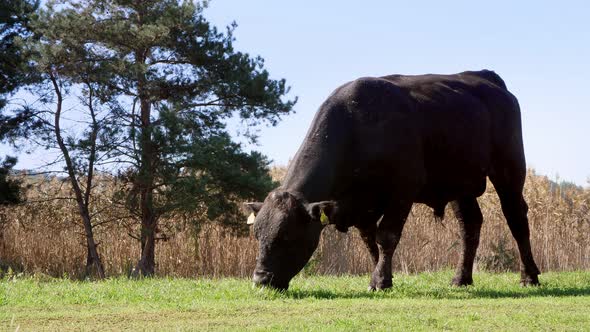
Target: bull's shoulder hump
x=486, y=75
x=466, y=77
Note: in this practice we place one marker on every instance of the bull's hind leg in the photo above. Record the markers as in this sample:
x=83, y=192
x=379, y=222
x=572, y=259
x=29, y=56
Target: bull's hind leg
x=369, y=236
x=389, y=232
x=509, y=186
x=470, y=219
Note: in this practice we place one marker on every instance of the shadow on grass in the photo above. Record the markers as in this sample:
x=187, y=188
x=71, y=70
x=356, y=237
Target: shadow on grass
x=535, y=292
x=448, y=293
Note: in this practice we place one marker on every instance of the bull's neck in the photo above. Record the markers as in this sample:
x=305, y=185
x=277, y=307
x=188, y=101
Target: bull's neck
x=318, y=162
x=312, y=179
x=314, y=170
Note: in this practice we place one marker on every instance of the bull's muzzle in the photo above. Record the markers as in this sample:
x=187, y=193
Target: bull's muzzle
x=262, y=278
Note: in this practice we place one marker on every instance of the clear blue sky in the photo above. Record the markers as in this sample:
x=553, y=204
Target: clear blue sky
x=540, y=48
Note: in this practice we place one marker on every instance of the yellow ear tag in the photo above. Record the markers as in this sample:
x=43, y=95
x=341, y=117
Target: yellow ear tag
x=251, y=218
x=324, y=218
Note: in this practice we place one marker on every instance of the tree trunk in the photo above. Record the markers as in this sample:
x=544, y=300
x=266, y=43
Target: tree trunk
x=145, y=181
x=147, y=263
x=92, y=257
x=81, y=202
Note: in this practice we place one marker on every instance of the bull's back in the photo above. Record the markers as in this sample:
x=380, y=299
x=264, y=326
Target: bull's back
x=467, y=119
x=437, y=133
x=440, y=132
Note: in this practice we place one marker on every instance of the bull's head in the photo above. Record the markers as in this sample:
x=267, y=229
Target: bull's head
x=288, y=231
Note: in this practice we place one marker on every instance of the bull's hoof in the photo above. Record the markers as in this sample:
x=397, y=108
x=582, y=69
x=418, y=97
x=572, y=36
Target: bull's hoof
x=529, y=280
x=380, y=285
x=461, y=281
x=377, y=288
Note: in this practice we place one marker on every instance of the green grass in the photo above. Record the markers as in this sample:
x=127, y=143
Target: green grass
x=418, y=302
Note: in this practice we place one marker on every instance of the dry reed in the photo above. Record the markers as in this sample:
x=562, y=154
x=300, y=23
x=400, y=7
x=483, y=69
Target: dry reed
x=45, y=236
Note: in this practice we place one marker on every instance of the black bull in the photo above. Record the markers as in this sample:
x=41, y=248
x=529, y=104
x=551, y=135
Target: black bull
x=378, y=145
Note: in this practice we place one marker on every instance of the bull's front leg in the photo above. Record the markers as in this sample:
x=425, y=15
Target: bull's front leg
x=388, y=234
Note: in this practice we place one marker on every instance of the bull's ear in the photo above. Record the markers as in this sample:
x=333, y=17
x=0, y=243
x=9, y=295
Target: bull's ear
x=323, y=212
x=253, y=208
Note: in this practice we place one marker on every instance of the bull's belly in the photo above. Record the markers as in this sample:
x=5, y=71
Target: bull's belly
x=437, y=194
x=377, y=192
x=456, y=170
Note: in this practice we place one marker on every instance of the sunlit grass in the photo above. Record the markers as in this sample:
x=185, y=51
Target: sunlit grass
x=416, y=302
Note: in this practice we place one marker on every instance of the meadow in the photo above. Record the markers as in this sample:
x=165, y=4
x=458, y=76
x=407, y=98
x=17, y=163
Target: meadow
x=421, y=302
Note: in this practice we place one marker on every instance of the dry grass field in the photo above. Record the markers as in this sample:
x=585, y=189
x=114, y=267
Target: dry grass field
x=45, y=236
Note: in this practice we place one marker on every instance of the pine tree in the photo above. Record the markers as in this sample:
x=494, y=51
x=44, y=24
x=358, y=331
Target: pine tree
x=169, y=81
x=14, y=18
